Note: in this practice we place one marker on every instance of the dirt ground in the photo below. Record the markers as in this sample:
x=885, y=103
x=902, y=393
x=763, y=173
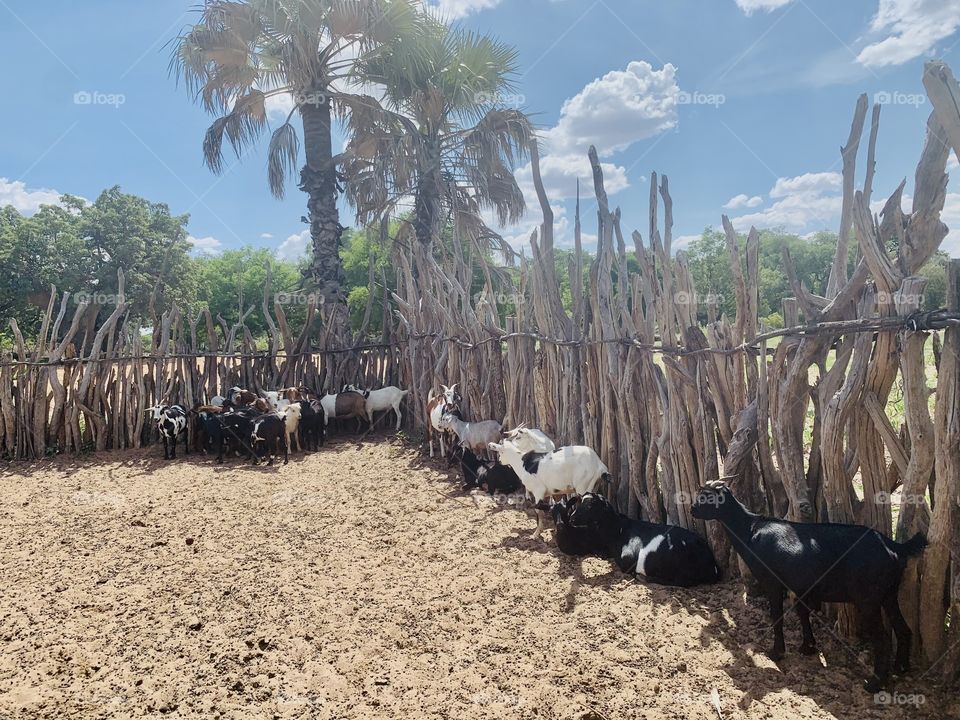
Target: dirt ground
x=360, y=582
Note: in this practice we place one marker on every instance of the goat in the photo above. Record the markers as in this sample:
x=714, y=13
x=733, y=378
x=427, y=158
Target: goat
x=311, y=424
x=530, y=440
x=171, y=421
x=239, y=397
x=344, y=406
x=473, y=435
x=820, y=562
x=571, y=469
x=388, y=398
x=664, y=554
x=573, y=540
x=437, y=407
x=492, y=477
x=291, y=416
x=270, y=430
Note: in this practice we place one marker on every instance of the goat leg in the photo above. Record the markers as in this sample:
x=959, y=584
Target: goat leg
x=536, y=533
x=873, y=620
x=809, y=646
x=891, y=607
x=776, y=615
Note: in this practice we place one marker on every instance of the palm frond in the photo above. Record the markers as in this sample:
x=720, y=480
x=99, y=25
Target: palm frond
x=282, y=158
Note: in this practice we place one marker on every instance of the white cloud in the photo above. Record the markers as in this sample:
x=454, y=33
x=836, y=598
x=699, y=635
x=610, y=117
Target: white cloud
x=682, y=242
x=617, y=110
x=266, y=236
x=804, y=202
x=454, y=9
x=26, y=201
x=294, y=247
x=560, y=174
x=741, y=201
x=752, y=6
x=952, y=162
x=205, y=245
x=912, y=28
x=612, y=113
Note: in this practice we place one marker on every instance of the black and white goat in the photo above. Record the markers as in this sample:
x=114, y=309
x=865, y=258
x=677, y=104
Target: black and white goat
x=492, y=477
x=574, y=469
x=820, y=562
x=664, y=554
x=311, y=424
x=438, y=405
x=171, y=421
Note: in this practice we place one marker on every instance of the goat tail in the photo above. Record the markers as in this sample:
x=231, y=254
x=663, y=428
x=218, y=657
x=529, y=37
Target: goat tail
x=913, y=547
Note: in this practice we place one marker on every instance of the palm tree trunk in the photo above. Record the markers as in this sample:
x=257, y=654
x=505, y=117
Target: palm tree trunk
x=319, y=180
x=427, y=201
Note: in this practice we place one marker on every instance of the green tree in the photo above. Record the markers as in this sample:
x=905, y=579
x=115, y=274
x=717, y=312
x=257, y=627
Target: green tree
x=242, y=52
x=442, y=138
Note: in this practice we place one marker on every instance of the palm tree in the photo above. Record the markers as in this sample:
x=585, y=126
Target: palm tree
x=243, y=52
x=440, y=138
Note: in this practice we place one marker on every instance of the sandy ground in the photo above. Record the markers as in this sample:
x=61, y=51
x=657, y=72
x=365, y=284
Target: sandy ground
x=360, y=582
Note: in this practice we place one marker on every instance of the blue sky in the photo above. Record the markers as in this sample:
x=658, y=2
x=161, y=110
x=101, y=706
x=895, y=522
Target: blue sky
x=742, y=103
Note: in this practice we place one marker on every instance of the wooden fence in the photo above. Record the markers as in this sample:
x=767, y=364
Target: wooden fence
x=666, y=402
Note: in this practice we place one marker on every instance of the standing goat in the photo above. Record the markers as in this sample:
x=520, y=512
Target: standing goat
x=475, y=436
x=575, y=469
x=820, y=562
x=437, y=406
x=291, y=416
x=171, y=423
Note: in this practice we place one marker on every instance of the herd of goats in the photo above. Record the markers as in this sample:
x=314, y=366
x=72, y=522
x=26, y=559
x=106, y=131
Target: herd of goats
x=815, y=562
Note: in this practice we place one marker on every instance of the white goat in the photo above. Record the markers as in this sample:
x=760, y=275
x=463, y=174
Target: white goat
x=276, y=402
x=574, y=469
x=291, y=415
x=388, y=398
x=474, y=435
x=530, y=440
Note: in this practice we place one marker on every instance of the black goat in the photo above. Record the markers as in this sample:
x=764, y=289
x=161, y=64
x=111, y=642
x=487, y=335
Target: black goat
x=820, y=562
x=573, y=540
x=311, y=428
x=664, y=554
x=491, y=476
x=270, y=433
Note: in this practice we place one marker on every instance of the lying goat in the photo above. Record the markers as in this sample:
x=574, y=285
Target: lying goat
x=492, y=477
x=664, y=554
x=820, y=562
x=575, y=469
